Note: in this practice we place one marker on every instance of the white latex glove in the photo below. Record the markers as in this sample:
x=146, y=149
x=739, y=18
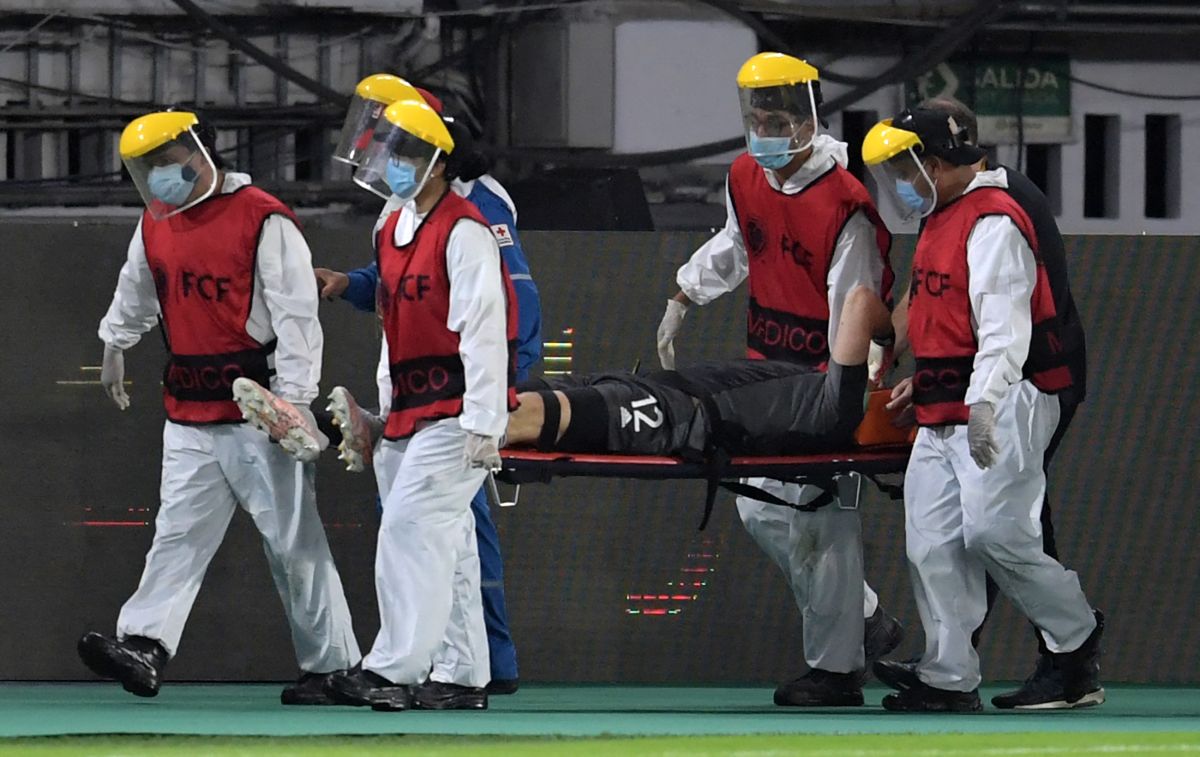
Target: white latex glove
x=671, y=322
x=112, y=375
x=875, y=360
x=482, y=452
x=901, y=406
x=981, y=434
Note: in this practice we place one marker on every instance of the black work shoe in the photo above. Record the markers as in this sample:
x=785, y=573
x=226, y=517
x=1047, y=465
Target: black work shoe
x=926, y=698
x=499, y=687
x=881, y=634
x=821, y=688
x=900, y=675
x=308, y=689
x=436, y=695
x=1044, y=691
x=136, y=661
x=1080, y=669
x=362, y=688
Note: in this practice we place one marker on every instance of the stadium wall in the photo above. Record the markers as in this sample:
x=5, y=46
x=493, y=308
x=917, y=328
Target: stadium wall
x=78, y=486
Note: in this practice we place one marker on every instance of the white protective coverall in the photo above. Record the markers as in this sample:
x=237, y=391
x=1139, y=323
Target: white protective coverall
x=210, y=470
x=961, y=520
x=819, y=552
x=427, y=559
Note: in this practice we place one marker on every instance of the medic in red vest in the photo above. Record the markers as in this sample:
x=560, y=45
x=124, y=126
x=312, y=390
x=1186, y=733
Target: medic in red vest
x=450, y=324
x=989, y=361
x=225, y=270
x=201, y=247
x=429, y=379
x=805, y=233
x=942, y=325
x=800, y=227
x=428, y=376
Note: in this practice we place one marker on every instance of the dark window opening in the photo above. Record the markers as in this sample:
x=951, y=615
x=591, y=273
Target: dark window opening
x=1043, y=166
x=855, y=125
x=1162, y=166
x=1101, y=165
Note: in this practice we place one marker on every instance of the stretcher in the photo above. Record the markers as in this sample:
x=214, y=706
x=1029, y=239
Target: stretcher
x=880, y=449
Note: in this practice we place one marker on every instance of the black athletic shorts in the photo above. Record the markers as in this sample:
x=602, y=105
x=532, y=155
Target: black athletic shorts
x=777, y=408
x=763, y=408
x=627, y=414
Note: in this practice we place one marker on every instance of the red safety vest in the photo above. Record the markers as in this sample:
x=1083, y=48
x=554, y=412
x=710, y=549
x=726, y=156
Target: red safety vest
x=790, y=240
x=203, y=265
x=939, y=310
x=428, y=380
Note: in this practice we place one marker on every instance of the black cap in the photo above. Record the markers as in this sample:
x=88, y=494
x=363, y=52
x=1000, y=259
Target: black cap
x=941, y=135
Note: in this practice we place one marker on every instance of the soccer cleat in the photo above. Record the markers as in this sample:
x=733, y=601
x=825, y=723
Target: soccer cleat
x=436, y=695
x=309, y=689
x=279, y=419
x=926, y=698
x=362, y=688
x=821, y=688
x=136, y=661
x=881, y=634
x=897, y=674
x=360, y=430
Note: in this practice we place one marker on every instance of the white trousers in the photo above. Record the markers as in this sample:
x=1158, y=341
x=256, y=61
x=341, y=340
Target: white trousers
x=427, y=562
x=820, y=553
x=962, y=521
x=207, y=472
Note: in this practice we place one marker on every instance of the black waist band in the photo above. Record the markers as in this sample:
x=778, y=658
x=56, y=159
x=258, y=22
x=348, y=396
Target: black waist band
x=209, y=378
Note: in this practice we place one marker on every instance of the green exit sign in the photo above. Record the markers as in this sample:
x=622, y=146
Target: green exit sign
x=1036, y=90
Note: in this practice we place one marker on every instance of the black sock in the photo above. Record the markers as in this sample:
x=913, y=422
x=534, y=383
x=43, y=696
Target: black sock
x=551, y=416
x=588, y=429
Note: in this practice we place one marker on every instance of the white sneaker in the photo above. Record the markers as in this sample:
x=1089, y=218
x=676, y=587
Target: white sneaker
x=294, y=430
x=360, y=429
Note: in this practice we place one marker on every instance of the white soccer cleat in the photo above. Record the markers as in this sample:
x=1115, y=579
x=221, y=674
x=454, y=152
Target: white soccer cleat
x=359, y=430
x=279, y=419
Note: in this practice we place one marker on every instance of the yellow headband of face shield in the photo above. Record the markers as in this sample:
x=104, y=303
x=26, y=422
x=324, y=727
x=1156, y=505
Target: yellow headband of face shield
x=154, y=130
x=885, y=141
x=386, y=89
x=774, y=70
x=421, y=121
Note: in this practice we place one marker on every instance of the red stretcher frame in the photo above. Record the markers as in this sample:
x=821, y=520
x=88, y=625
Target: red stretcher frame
x=528, y=466
x=521, y=466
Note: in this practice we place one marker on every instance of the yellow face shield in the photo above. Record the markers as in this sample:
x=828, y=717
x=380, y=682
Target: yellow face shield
x=371, y=97
x=403, y=150
x=170, y=167
x=904, y=190
x=779, y=107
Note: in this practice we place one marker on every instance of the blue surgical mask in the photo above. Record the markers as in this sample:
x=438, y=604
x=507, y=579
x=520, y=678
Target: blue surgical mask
x=909, y=194
x=402, y=178
x=771, y=152
x=171, y=184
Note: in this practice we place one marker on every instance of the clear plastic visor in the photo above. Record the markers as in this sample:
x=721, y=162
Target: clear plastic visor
x=173, y=177
x=396, y=163
x=358, y=129
x=779, y=121
x=904, y=190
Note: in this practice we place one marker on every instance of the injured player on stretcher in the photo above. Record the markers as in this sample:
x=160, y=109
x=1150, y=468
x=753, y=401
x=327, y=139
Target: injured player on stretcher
x=743, y=407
